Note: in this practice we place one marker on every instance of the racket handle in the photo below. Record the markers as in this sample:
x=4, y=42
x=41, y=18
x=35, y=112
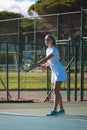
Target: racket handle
x=43, y=66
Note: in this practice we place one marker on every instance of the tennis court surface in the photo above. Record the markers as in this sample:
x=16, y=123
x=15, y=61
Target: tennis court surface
x=32, y=117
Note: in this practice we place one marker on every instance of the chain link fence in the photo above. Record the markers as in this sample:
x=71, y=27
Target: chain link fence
x=25, y=39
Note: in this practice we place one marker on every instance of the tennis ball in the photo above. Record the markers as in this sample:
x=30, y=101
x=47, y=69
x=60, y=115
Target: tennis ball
x=28, y=65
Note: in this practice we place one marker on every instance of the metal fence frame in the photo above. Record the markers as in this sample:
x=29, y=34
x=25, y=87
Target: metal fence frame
x=82, y=38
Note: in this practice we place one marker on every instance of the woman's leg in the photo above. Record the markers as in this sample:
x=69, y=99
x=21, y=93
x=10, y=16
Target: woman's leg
x=57, y=100
x=57, y=95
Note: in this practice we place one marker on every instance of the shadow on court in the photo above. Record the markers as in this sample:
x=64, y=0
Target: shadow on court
x=31, y=116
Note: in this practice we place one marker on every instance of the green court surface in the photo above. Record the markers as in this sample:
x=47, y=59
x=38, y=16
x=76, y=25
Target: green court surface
x=31, y=116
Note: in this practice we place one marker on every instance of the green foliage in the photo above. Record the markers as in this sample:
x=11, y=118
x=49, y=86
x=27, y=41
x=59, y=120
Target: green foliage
x=57, y=6
x=26, y=24
x=9, y=15
x=7, y=25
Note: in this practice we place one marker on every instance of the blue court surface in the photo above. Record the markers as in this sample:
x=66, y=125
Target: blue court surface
x=12, y=121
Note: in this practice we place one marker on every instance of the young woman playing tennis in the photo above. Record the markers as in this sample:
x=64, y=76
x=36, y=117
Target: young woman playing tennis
x=58, y=72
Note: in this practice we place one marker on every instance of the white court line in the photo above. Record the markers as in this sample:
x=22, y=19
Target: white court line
x=59, y=116
x=20, y=114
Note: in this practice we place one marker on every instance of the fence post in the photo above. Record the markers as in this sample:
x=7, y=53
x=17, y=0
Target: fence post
x=58, y=26
x=68, y=76
x=82, y=57
x=18, y=58
x=7, y=78
x=76, y=59
x=48, y=82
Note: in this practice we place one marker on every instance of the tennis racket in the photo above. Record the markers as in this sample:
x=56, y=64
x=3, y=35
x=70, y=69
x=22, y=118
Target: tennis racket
x=27, y=64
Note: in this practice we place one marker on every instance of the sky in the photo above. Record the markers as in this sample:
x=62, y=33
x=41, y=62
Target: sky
x=17, y=6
